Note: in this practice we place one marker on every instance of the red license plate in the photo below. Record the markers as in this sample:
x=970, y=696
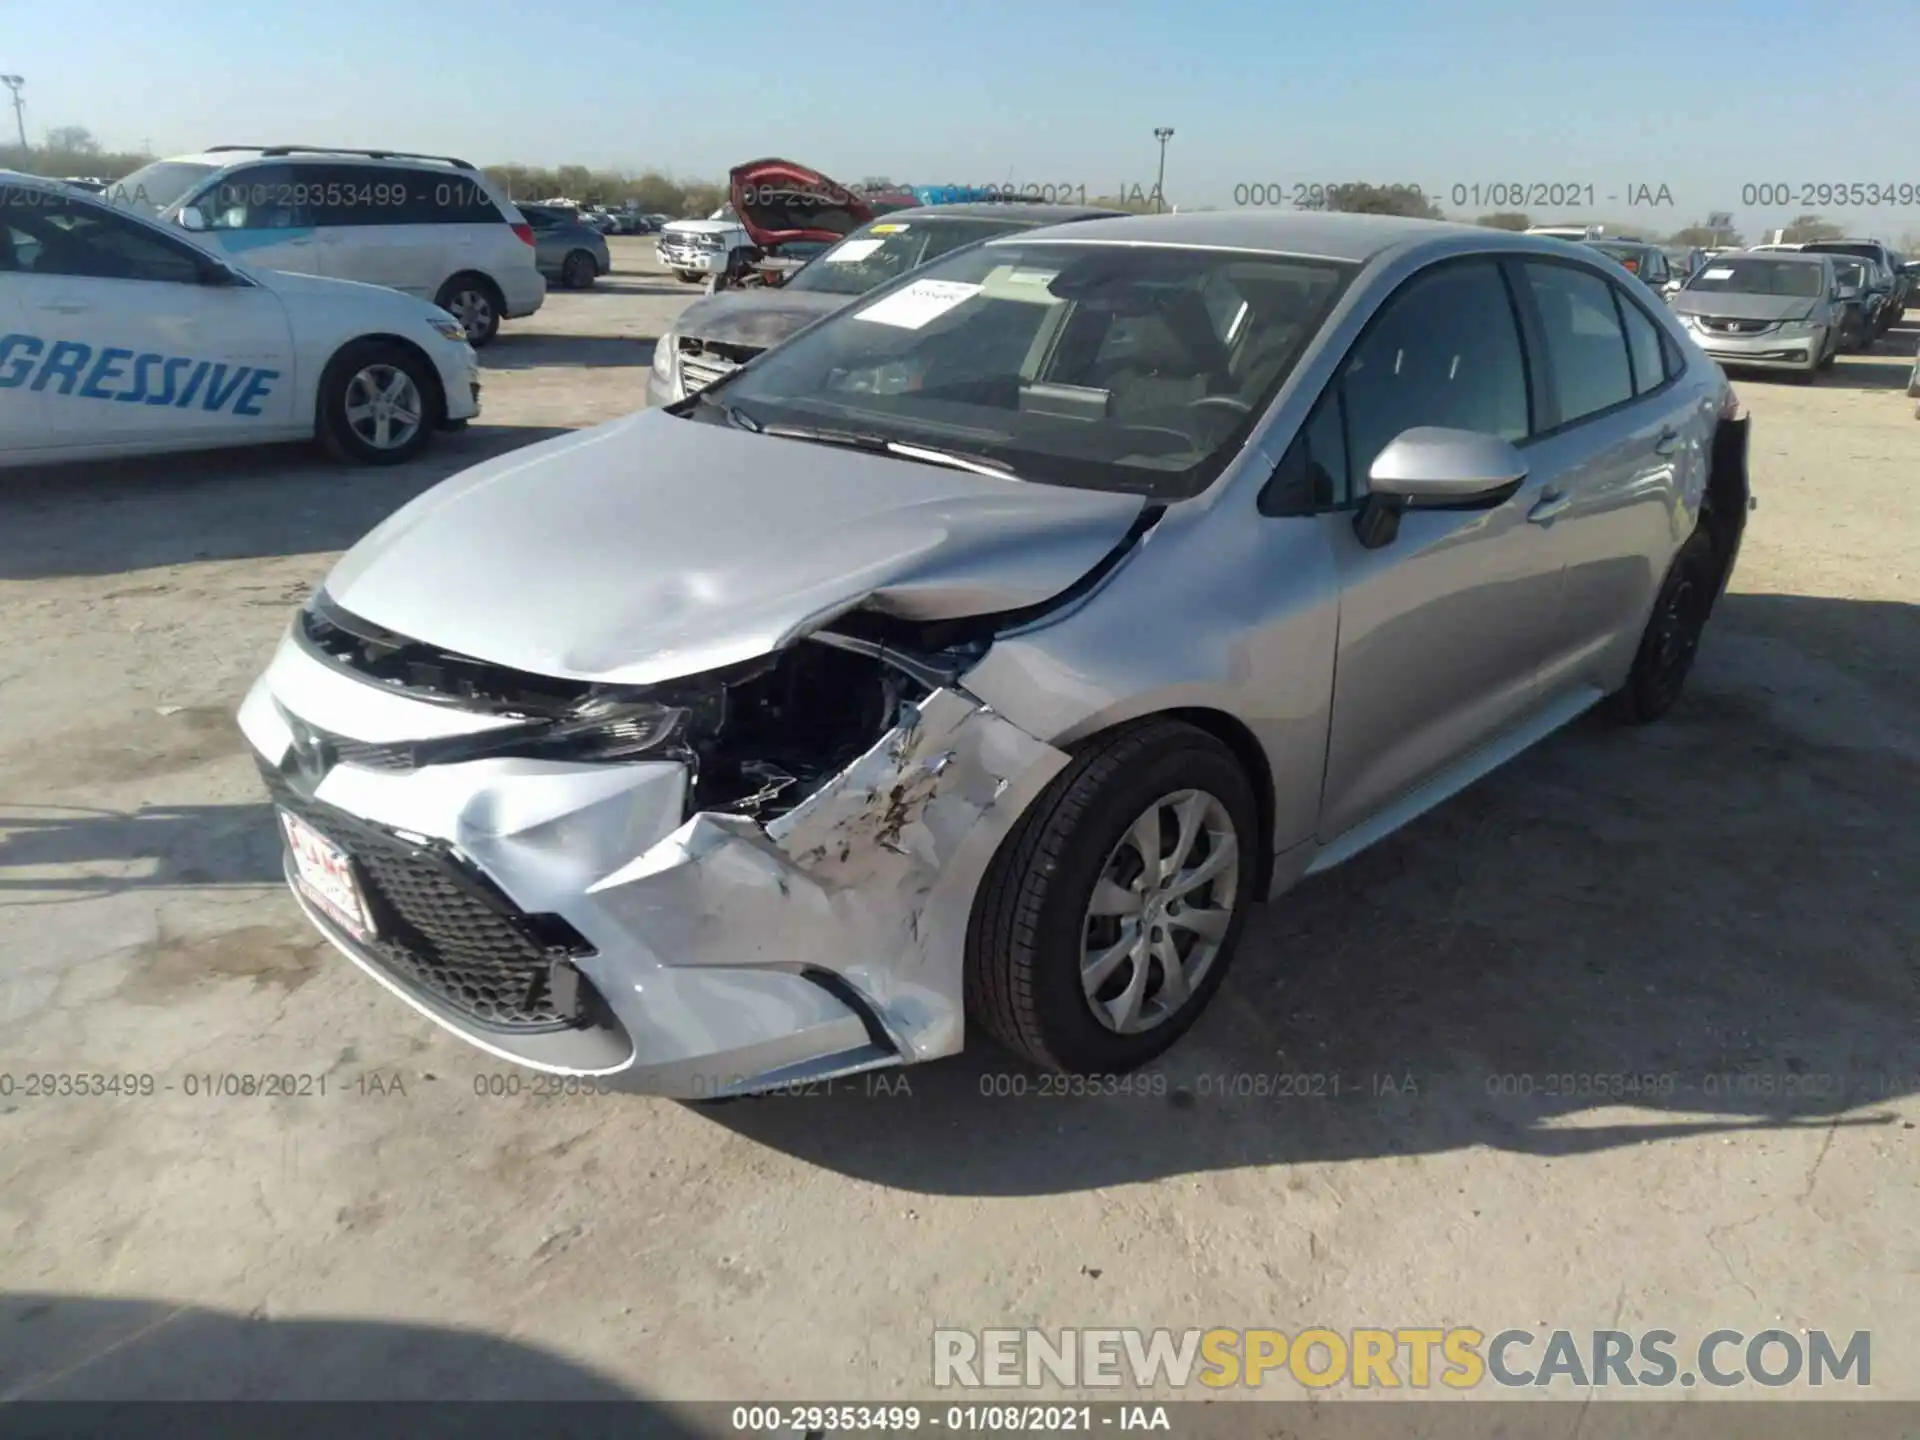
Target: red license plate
x=325, y=876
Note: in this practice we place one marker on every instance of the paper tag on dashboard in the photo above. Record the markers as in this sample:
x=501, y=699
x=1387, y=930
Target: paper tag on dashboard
x=919, y=304
x=848, y=251
x=1720, y=273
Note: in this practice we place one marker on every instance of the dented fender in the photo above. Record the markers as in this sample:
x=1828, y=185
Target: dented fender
x=870, y=879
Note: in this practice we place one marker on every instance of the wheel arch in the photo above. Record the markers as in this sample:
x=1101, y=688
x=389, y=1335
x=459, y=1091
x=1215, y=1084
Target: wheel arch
x=1245, y=748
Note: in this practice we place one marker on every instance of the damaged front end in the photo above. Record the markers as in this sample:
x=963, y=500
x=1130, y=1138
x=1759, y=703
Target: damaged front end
x=707, y=886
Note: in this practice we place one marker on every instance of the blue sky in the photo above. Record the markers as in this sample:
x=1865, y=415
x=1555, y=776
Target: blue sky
x=1067, y=92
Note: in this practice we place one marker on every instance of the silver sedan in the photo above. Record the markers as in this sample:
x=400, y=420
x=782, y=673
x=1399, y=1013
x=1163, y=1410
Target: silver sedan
x=992, y=646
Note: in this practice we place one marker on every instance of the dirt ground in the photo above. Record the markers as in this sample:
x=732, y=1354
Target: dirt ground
x=1726, y=901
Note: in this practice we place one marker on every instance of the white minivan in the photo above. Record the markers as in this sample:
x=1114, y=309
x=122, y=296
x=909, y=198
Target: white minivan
x=427, y=225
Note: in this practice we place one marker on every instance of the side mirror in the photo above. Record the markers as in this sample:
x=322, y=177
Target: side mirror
x=193, y=218
x=1431, y=467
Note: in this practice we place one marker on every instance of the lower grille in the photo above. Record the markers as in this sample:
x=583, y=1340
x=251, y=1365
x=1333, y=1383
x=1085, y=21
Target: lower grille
x=447, y=933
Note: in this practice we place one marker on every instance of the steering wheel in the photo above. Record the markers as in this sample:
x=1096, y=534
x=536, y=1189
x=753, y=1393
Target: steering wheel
x=1231, y=401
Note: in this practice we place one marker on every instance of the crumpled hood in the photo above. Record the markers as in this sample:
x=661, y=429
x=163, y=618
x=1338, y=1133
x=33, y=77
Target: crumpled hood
x=655, y=547
x=1730, y=305
x=756, y=317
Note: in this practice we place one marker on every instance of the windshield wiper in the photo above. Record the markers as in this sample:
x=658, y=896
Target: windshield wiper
x=880, y=445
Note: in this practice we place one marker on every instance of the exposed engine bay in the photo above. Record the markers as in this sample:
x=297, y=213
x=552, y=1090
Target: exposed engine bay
x=758, y=739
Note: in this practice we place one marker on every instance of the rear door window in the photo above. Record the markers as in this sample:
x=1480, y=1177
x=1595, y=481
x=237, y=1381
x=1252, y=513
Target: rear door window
x=448, y=197
x=1586, y=346
x=344, y=194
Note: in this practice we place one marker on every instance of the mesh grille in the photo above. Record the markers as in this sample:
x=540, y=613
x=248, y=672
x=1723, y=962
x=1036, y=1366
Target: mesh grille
x=444, y=931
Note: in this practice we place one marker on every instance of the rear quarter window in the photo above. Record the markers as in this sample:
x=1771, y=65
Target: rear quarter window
x=449, y=197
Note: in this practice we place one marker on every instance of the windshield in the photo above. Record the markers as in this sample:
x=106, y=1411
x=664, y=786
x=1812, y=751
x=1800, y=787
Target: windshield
x=158, y=186
x=1851, y=272
x=1133, y=368
x=1796, y=278
x=882, y=250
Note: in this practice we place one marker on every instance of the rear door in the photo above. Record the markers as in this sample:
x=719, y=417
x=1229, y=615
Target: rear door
x=1444, y=630
x=259, y=214
x=464, y=230
x=132, y=346
x=1625, y=430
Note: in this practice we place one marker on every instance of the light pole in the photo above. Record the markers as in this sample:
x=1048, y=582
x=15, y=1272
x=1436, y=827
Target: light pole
x=1163, y=134
x=13, y=83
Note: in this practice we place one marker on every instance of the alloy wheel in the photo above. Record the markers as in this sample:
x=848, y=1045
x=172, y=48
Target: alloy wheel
x=1160, y=911
x=384, y=407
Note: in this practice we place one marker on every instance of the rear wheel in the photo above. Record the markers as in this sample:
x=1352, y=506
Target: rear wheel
x=578, y=271
x=1672, y=636
x=378, y=404
x=1107, y=920
x=476, y=303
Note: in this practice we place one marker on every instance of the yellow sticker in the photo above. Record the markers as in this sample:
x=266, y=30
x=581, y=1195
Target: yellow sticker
x=886, y=229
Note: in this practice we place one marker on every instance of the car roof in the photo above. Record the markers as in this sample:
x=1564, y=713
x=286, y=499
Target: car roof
x=1031, y=211
x=1320, y=234
x=1787, y=256
x=38, y=182
x=220, y=155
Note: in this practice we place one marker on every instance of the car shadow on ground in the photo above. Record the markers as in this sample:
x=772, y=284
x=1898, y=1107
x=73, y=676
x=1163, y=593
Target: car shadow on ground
x=1701, y=926
x=108, y=517
x=156, y=847
x=78, y=1348
x=534, y=351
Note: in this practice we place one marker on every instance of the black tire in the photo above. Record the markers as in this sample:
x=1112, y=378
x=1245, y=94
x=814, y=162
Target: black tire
x=1029, y=924
x=1672, y=636
x=476, y=302
x=338, y=433
x=688, y=277
x=579, y=270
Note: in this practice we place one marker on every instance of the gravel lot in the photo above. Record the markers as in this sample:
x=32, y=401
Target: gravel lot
x=1727, y=899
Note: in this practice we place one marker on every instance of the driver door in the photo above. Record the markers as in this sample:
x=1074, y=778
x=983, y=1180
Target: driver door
x=1444, y=630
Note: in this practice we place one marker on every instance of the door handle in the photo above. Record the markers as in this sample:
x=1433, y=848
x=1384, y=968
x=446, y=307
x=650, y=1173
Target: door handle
x=1668, y=442
x=1549, y=505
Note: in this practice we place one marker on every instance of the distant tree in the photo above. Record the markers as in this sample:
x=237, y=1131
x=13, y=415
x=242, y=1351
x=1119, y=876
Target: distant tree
x=1701, y=235
x=1504, y=220
x=76, y=139
x=1811, y=227
x=1360, y=198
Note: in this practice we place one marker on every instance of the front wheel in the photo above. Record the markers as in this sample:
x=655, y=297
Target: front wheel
x=378, y=404
x=688, y=277
x=1672, y=636
x=1107, y=921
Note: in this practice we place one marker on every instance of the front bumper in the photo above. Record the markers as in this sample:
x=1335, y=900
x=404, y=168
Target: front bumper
x=663, y=392
x=460, y=379
x=695, y=258
x=718, y=956
x=1771, y=351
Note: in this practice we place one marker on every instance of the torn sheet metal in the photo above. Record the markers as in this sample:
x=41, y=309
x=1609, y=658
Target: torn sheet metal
x=849, y=880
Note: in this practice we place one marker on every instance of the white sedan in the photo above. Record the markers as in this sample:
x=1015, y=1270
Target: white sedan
x=120, y=336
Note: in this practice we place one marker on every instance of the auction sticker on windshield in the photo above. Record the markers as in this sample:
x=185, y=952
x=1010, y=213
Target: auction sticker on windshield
x=919, y=304
x=325, y=876
x=848, y=251
x=1719, y=274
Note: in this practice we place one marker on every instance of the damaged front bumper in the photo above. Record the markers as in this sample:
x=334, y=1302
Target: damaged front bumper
x=574, y=918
